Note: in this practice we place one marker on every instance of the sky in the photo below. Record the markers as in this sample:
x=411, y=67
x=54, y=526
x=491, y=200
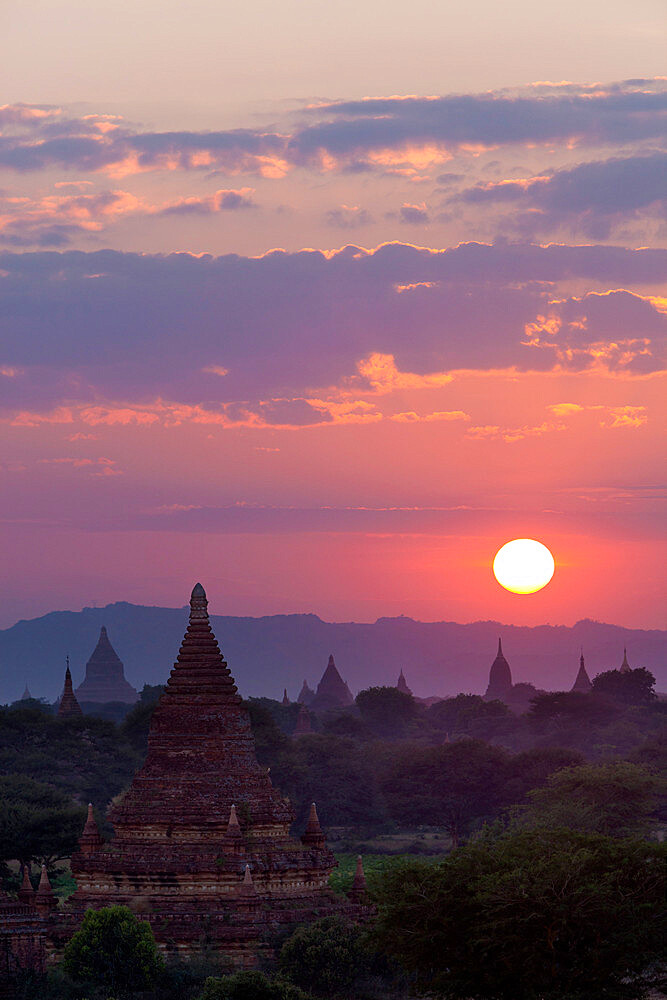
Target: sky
x=322, y=303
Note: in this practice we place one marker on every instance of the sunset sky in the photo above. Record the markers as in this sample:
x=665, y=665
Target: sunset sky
x=322, y=303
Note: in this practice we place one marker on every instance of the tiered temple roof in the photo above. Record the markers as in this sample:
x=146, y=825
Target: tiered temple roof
x=105, y=676
x=202, y=820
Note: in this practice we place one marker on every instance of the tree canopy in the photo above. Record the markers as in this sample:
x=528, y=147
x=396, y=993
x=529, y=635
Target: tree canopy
x=535, y=915
x=115, y=950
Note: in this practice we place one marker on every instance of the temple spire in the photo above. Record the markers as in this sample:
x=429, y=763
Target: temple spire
x=68, y=704
x=313, y=837
x=247, y=886
x=26, y=892
x=234, y=836
x=286, y=700
x=91, y=839
x=582, y=683
x=26, y=694
x=358, y=889
x=625, y=666
x=45, y=898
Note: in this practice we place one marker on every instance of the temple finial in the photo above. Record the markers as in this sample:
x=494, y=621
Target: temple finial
x=500, y=646
x=198, y=604
x=234, y=835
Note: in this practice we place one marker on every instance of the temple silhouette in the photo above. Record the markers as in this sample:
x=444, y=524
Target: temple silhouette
x=105, y=676
x=202, y=844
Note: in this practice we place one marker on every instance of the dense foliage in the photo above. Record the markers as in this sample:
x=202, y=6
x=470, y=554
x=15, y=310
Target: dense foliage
x=534, y=915
x=114, y=950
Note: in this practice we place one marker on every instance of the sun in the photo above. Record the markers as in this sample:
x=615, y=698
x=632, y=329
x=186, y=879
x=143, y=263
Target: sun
x=523, y=566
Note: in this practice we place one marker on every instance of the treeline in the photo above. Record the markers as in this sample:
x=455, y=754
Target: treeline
x=388, y=763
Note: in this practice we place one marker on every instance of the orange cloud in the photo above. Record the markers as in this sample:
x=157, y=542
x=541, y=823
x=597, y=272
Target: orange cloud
x=381, y=372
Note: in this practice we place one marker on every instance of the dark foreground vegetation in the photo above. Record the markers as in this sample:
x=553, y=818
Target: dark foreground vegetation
x=540, y=875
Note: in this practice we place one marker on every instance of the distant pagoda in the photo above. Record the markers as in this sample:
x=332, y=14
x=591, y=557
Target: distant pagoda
x=306, y=694
x=105, y=677
x=583, y=682
x=332, y=691
x=402, y=684
x=625, y=667
x=68, y=706
x=500, y=678
x=26, y=696
x=202, y=845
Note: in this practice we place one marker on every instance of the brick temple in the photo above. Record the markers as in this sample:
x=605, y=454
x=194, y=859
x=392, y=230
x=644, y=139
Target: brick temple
x=202, y=848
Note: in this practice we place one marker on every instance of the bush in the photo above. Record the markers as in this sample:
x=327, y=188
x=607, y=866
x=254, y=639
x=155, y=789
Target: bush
x=250, y=985
x=114, y=950
x=327, y=957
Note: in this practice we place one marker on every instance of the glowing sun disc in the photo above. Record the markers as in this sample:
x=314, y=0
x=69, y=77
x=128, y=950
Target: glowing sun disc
x=523, y=566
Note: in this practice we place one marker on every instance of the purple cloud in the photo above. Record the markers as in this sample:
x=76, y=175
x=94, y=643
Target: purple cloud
x=103, y=326
x=594, y=196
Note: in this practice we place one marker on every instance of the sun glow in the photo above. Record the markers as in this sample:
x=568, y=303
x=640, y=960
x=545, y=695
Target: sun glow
x=523, y=566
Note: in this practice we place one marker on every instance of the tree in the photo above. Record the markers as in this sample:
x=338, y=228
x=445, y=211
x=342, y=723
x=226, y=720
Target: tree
x=114, y=950
x=387, y=711
x=532, y=768
x=250, y=985
x=326, y=957
x=634, y=687
x=535, y=915
x=618, y=799
x=470, y=715
x=38, y=824
x=455, y=785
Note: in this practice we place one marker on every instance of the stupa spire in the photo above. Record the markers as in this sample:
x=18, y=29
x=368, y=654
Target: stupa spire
x=45, y=898
x=582, y=683
x=247, y=886
x=313, y=836
x=26, y=892
x=286, y=700
x=625, y=666
x=500, y=677
x=358, y=888
x=26, y=694
x=68, y=704
x=91, y=839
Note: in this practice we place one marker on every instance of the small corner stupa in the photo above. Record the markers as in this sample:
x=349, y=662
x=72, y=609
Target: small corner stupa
x=583, y=682
x=201, y=836
x=402, y=684
x=332, y=691
x=500, y=678
x=68, y=706
x=105, y=676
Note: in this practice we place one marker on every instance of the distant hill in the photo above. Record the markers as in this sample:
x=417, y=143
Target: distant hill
x=267, y=654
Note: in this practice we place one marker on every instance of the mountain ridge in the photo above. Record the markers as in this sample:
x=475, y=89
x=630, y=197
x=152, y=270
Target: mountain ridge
x=270, y=652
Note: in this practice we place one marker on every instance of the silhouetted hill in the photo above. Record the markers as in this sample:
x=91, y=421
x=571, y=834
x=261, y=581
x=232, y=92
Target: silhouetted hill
x=268, y=654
